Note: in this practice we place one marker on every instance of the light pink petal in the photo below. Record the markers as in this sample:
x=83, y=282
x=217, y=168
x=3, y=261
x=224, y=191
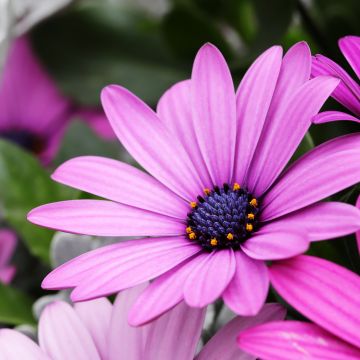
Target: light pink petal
x=96, y=316
x=175, y=334
x=214, y=112
x=284, y=340
x=247, y=291
x=277, y=240
x=358, y=232
x=150, y=142
x=8, y=241
x=223, y=344
x=209, y=278
x=350, y=47
x=62, y=335
x=174, y=110
x=15, y=346
x=329, y=116
x=29, y=98
x=162, y=294
x=326, y=220
x=124, y=341
x=321, y=172
x=253, y=98
x=126, y=270
x=323, y=292
x=97, y=120
x=7, y=274
x=103, y=218
x=348, y=91
x=120, y=182
x=285, y=130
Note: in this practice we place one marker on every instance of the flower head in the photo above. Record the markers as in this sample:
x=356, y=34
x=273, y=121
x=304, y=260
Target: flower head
x=218, y=203
x=348, y=91
x=99, y=330
x=324, y=293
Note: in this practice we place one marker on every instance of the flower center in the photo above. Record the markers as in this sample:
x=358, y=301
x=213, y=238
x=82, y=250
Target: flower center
x=222, y=218
x=24, y=139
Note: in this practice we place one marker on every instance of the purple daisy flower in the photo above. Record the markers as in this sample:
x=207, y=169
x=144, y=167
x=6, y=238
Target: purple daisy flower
x=325, y=293
x=218, y=203
x=348, y=91
x=33, y=113
x=98, y=330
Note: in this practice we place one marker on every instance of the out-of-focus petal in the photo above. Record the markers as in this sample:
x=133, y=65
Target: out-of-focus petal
x=103, y=218
x=321, y=172
x=323, y=292
x=120, y=182
x=223, y=344
x=329, y=116
x=284, y=340
x=350, y=47
x=214, y=112
x=8, y=241
x=246, y=293
x=358, y=232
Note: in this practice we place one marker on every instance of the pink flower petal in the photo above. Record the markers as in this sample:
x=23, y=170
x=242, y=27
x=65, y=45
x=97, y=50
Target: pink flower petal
x=350, y=47
x=321, y=172
x=209, y=278
x=7, y=274
x=162, y=294
x=174, y=109
x=323, y=292
x=329, y=116
x=8, y=242
x=326, y=220
x=253, y=100
x=127, y=270
x=150, y=143
x=96, y=316
x=284, y=132
x=223, y=344
x=214, y=112
x=284, y=340
x=15, y=346
x=358, y=232
x=103, y=218
x=120, y=182
x=62, y=335
x=247, y=291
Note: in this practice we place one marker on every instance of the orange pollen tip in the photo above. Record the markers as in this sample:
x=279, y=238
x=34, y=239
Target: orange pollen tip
x=251, y=216
x=249, y=227
x=193, y=204
x=192, y=236
x=230, y=236
x=253, y=202
x=188, y=230
x=213, y=242
x=236, y=187
x=207, y=191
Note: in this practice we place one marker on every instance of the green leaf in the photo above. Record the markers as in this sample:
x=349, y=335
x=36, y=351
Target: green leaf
x=25, y=184
x=306, y=144
x=15, y=306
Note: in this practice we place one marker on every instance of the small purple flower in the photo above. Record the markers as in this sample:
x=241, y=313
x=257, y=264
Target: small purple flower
x=348, y=91
x=325, y=293
x=33, y=113
x=98, y=330
x=8, y=243
x=218, y=203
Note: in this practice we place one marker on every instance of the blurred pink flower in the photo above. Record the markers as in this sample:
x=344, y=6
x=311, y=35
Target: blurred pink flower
x=8, y=243
x=327, y=294
x=218, y=204
x=97, y=330
x=33, y=113
x=348, y=91
x=358, y=232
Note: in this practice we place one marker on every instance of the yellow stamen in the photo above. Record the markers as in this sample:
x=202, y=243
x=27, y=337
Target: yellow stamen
x=193, y=204
x=236, y=187
x=230, y=236
x=249, y=227
x=253, y=202
x=251, y=216
x=207, y=191
x=188, y=230
x=192, y=236
x=213, y=242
